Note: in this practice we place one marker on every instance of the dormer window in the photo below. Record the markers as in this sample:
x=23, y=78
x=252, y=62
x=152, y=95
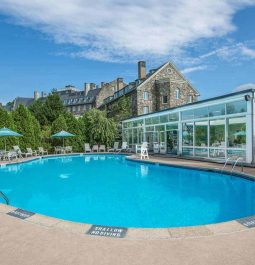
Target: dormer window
x=145, y=95
x=177, y=93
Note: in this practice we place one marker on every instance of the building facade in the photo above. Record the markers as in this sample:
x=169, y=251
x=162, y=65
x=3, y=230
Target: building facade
x=215, y=129
x=161, y=88
x=156, y=90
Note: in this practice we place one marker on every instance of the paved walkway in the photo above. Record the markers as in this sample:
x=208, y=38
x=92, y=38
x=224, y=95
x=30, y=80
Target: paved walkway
x=24, y=243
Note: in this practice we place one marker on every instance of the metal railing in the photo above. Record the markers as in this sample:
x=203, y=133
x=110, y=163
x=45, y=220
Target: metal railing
x=233, y=164
x=4, y=197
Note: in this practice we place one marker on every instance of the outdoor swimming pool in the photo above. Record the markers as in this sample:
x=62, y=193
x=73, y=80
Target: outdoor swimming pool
x=110, y=190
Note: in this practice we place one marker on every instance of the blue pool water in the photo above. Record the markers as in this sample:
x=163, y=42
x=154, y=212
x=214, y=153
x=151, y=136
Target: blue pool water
x=110, y=190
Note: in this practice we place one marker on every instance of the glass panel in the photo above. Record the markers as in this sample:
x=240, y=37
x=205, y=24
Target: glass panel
x=163, y=119
x=149, y=128
x=217, y=110
x=201, y=129
x=188, y=115
x=148, y=121
x=137, y=123
x=201, y=152
x=125, y=135
x=187, y=134
x=170, y=127
x=135, y=139
x=187, y=151
x=237, y=132
x=236, y=153
x=155, y=120
x=160, y=128
x=236, y=107
x=217, y=133
x=130, y=137
x=173, y=117
x=201, y=113
x=217, y=153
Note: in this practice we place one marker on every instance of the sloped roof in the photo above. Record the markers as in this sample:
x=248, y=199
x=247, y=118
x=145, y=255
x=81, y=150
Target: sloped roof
x=24, y=101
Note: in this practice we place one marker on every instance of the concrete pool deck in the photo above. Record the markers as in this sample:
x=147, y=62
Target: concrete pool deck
x=44, y=240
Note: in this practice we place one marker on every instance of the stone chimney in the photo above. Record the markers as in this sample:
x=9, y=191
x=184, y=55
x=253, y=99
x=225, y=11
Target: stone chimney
x=36, y=95
x=120, y=83
x=86, y=88
x=141, y=70
x=92, y=86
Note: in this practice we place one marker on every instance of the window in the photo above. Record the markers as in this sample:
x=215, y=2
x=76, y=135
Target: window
x=201, y=129
x=187, y=134
x=217, y=133
x=145, y=95
x=217, y=110
x=237, y=132
x=237, y=107
x=190, y=99
x=164, y=99
x=145, y=109
x=177, y=93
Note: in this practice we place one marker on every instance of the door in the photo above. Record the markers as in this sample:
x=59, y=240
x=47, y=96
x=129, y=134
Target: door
x=172, y=142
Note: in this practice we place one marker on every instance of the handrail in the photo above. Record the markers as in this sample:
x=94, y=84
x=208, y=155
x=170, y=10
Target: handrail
x=4, y=197
x=225, y=164
x=239, y=158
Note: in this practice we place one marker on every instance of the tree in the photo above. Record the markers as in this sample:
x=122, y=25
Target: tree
x=6, y=120
x=53, y=107
x=121, y=109
x=24, y=122
x=97, y=128
x=58, y=125
x=74, y=126
x=38, y=110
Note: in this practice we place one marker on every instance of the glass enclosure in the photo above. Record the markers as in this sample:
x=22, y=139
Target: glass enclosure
x=214, y=131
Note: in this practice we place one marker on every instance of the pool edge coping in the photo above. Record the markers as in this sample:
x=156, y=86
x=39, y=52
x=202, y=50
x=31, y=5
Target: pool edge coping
x=222, y=228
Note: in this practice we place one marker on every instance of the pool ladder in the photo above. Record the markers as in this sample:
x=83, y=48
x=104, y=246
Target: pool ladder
x=4, y=197
x=233, y=165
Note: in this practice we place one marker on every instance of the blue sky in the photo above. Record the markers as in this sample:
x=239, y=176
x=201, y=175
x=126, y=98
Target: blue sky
x=49, y=44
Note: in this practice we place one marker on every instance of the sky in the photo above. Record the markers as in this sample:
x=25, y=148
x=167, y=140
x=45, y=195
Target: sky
x=49, y=44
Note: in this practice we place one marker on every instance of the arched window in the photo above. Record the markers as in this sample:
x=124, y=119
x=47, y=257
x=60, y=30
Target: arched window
x=177, y=93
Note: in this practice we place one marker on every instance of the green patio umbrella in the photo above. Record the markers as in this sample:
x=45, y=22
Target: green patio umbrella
x=62, y=134
x=240, y=133
x=5, y=132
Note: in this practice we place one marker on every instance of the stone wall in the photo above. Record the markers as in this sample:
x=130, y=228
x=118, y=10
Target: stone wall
x=106, y=91
x=165, y=82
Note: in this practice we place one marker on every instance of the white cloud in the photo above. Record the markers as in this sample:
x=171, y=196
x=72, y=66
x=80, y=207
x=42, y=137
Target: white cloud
x=117, y=30
x=194, y=69
x=245, y=87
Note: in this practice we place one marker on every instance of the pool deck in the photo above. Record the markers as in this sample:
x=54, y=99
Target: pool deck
x=44, y=240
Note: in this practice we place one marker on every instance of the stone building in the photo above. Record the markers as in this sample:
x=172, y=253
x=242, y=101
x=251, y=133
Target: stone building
x=159, y=89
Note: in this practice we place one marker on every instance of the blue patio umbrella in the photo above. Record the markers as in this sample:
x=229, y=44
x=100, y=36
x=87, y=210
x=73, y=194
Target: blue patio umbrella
x=240, y=133
x=62, y=134
x=5, y=132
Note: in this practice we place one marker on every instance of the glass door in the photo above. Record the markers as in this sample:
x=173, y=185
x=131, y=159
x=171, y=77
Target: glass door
x=172, y=142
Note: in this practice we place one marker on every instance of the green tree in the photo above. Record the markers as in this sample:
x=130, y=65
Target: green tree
x=97, y=128
x=6, y=120
x=74, y=126
x=58, y=125
x=121, y=109
x=38, y=110
x=53, y=107
x=23, y=120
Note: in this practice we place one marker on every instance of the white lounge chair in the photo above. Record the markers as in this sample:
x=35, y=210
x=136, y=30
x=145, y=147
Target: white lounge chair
x=95, y=148
x=58, y=149
x=31, y=152
x=68, y=149
x=124, y=147
x=87, y=148
x=102, y=148
x=156, y=148
x=10, y=155
x=16, y=149
x=41, y=151
x=114, y=148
